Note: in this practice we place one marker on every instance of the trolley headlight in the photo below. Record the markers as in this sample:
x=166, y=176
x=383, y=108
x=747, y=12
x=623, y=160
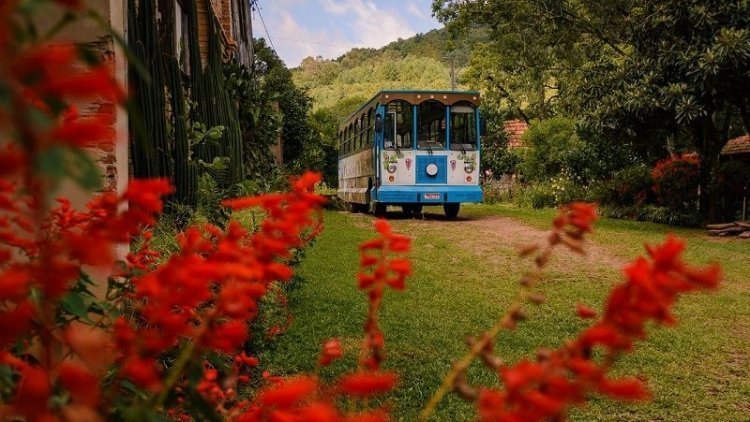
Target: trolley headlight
x=469, y=168
x=392, y=168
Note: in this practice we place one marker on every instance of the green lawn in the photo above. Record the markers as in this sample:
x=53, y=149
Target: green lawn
x=465, y=276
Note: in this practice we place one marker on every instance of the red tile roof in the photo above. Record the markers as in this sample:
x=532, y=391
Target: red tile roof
x=515, y=129
x=739, y=145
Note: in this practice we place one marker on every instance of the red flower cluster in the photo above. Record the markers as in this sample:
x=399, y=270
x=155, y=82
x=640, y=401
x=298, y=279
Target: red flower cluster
x=50, y=260
x=207, y=293
x=382, y=265
x=202, y=297
x=572, y=222
x=331, y=351
x=305, y=398
x=545, y=388
x=676, y=179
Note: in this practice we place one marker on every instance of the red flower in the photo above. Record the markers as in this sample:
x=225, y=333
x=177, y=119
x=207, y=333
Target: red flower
x=245, y=360
x=146, y=194
x=288, y=392
x=85, y=132
x=331, y=351
x=520, y=375
x=624, y=389
x=319, y=412
x=141, y=372
x=82, y=384
x=228, y=336
x=491, y=405
x=15, y=322
x=33, y=391
x=585, y=312
x=667, y=255
x=364, y=384
x=14, y=283
x=400, y=266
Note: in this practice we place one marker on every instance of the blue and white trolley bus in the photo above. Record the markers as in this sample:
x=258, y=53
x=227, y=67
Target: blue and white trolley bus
x=411, y=149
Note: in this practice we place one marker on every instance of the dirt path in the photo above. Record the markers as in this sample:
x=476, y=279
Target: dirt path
x=493, y=235
x=505, y=230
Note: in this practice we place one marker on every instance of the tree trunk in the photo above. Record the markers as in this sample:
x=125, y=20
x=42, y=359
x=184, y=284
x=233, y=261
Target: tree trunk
x=710, y=140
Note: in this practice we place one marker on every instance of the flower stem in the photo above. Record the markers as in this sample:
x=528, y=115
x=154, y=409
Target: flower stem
x=505, y=321
x=476, y=349
x=185, y=356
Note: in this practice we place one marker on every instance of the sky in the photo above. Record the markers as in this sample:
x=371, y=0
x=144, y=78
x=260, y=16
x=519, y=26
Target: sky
x=329, y=28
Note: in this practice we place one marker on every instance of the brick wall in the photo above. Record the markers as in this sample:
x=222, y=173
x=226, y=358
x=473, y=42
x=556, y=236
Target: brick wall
x=515, y=129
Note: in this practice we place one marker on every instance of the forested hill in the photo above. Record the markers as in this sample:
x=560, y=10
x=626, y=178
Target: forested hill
x=419, y=62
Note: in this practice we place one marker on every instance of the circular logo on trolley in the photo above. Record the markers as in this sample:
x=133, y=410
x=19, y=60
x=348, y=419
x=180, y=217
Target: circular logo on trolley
x=431, y=169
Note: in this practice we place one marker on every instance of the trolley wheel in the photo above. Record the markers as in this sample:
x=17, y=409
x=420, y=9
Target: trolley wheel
x=451, y=210
x=379, y=209
x=411, y=210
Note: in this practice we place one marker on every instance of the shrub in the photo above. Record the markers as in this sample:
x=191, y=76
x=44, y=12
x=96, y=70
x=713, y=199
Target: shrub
x=566, y=190
x=676, y=181
x=629, y=186
x=654, y=214
x=536, y=195
x=503, y=190
x=547, y=144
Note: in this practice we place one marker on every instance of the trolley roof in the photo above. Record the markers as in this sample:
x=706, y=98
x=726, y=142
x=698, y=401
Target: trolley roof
x=416, y=97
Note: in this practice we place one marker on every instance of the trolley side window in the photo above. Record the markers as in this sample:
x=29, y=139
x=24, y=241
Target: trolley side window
x=397, y=126
x=463, y=128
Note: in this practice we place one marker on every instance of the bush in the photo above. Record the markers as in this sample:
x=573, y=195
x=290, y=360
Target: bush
x=536, y=195
x=654, y=214
x=629, y=186
x=566, y=190
x=676, y=181
x=503, y=190
x=547, y=145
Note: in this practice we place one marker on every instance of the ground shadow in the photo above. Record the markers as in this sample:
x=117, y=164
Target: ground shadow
x=427, y=215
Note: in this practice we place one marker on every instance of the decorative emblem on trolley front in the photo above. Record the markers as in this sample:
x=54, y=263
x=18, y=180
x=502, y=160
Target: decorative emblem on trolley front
x=408, y=163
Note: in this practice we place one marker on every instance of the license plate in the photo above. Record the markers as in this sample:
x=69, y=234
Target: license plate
x=432, y=196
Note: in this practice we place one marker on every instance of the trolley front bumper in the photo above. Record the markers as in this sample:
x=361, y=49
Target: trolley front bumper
x=427, y=194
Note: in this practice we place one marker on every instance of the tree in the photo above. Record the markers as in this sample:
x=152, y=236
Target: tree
x=293, y=102
x=534, y=48
x=654, y=72
x=686, y=68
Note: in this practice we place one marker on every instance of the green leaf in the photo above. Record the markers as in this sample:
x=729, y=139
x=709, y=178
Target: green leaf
x=51, y=163
x=202, y=407
x=84, y=278
x=82, y=169
x=141, y=414
x=74, y=304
